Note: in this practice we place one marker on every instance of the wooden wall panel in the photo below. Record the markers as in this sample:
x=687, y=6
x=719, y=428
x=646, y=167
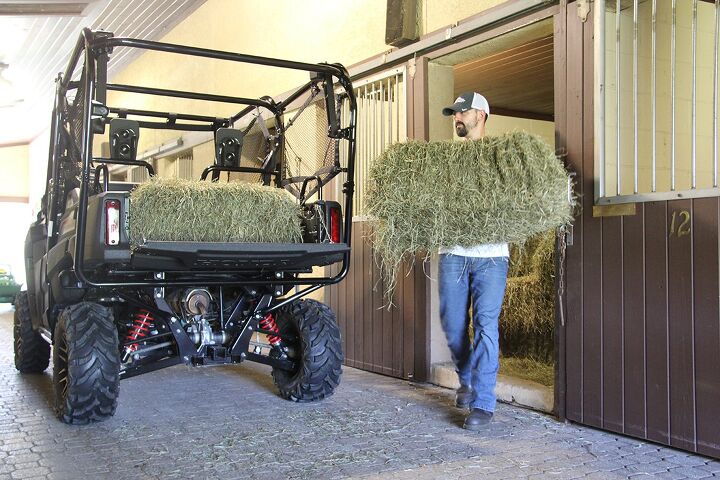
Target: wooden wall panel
x=377, y=338
x=656, y=325
x=680, y=332
x=572, y=134
x=361, y=276
x=643, y=301
x=592, y=246
x=612, y=324
x=633, y=329
x=704, y=231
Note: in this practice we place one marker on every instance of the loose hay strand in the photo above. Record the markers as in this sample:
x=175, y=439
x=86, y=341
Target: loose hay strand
x=427, y=195
x=200, y=211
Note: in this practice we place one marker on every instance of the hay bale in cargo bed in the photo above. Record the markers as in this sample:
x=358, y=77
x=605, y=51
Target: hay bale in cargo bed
x=499, y=189
x=201, y=211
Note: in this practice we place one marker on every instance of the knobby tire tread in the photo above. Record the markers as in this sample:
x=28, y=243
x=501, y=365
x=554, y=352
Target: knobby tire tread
x=86, y=361
x=321, y=352
x=32, y=352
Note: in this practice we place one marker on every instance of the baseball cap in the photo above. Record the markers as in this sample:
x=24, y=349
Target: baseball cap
x=465, y=102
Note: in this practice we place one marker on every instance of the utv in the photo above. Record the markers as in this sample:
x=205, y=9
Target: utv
x=112, y=310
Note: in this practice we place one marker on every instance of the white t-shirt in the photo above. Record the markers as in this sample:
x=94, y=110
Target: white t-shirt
x=482, y=251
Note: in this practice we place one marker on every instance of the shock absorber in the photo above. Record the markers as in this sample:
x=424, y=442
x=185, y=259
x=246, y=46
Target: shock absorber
x=268, y=323
x=141, y=326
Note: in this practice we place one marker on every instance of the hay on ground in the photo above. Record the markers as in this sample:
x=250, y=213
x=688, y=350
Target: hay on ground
x=528, y=369
x=428, y=195
x=201, y=211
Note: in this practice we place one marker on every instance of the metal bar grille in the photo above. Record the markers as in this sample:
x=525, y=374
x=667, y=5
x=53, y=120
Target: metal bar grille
x=673, y=69
x=694, y=95
x=635, y=95
x=716, y=54
x=183, y=165
x=381, y=122
x=653, y=94
x=138, y=174
x=658, y=83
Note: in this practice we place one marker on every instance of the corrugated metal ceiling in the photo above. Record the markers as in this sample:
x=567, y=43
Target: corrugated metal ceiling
x=37, y=47
x=518, y=80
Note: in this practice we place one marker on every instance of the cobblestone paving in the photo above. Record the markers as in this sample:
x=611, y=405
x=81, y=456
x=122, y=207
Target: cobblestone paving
x=228, y=422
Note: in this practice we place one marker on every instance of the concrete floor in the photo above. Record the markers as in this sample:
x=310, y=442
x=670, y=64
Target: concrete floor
x=227, y=422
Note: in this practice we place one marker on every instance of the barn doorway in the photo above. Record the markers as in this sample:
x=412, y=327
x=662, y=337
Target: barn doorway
x=515, y=72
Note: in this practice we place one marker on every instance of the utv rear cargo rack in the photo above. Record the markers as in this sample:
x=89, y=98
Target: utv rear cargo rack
x=94, y=49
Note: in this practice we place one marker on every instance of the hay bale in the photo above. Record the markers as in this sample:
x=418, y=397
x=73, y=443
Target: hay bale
x=197, y=211
x=499, y=189
x=527, y=318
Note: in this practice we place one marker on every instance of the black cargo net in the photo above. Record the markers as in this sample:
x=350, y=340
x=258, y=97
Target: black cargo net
x=258, y=128
x=308, y=150
x=256, y=142
x=74, y=110
x=74, y=113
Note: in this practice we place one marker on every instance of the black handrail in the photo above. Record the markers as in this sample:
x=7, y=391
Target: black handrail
x=123, y=112
x=104, y=169
x=221, y=168
x=105, y=43
x=135, y=163
x=163, y=92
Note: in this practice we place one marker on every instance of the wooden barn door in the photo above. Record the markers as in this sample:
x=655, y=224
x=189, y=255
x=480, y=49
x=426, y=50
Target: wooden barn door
x=642, y=332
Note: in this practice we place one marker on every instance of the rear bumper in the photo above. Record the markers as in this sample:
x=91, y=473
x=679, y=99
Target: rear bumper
x=174, y=256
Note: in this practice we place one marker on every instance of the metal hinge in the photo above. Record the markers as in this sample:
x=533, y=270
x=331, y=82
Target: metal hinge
x=583, y=9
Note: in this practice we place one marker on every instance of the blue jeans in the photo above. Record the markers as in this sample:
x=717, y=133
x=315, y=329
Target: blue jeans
x=482, y=281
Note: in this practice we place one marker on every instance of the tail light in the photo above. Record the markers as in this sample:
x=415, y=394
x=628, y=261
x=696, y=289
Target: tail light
x=335, y=224
x=322, y=222
x=112, y=222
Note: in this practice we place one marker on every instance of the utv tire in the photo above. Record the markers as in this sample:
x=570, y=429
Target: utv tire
x=32, y=353
x=317, y=351
x=86, y=364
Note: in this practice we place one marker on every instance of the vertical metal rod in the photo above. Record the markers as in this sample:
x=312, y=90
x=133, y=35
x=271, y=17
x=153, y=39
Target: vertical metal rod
x=653, y=94
x=715, y=94
x=398, y=97
x=694, y=94
x=389, y=110
x=617, y=97
x=365, y=142
x=599, y=97
x=365, y=137
x=374, y=124
x=382, y=116
x=635, y=95
x=391, y=99
x=358, y=152
x=672, y=96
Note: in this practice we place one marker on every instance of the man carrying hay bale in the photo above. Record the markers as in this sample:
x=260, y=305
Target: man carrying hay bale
x=482, y=195
x=477, y=275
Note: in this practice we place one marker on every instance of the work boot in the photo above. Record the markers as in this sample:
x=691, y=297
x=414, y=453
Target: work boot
x=463, y=396
x=477, y=419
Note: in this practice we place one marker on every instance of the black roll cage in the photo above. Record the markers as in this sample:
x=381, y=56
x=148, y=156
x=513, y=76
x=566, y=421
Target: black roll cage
x=96, y=46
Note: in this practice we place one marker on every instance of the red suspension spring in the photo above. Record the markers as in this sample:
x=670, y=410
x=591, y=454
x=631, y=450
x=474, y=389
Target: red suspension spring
x=142, y=324
x=268, y=323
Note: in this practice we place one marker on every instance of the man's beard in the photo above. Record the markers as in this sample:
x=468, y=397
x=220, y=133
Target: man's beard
x=460, y=129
